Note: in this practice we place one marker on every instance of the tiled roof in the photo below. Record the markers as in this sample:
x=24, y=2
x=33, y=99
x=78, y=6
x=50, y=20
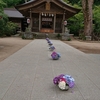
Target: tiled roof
x=12, y=12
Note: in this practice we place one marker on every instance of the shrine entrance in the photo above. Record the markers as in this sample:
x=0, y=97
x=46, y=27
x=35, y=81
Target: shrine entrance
x=47, y=23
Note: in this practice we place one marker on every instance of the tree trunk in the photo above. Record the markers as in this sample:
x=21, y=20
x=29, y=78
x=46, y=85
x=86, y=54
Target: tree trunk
x=87, y=11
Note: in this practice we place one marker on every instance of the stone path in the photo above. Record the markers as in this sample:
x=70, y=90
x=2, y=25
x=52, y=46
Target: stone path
x=28, y=73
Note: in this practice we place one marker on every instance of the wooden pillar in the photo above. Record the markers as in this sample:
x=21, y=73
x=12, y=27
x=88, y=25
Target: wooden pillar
x=39, y=22
x=30, y=20
x=54, y=22
x=63, y=28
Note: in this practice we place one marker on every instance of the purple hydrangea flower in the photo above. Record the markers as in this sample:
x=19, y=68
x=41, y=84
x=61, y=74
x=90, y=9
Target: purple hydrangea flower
x=55, y=56
x=56, y=79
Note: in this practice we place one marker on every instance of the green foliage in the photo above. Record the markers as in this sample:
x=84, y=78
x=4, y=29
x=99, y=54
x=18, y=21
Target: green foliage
x=2, y=5
x=3, y=19
x=75, y=23
x=23, y=37
x=82, y=36
x=3, y=22
x=10, y=29
x=69, y=39
x=66, y=1
x=58, y=35
x=96, y=18
x=78, y=2
x=76, y=26
x=97, y=2
x=11, y=3
x=72, y=2
x=6, y=28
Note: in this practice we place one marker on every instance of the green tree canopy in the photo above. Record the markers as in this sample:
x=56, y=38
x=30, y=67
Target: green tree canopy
x=3, y=19
x=11, y=3
x=78, y=2
x=2, y=5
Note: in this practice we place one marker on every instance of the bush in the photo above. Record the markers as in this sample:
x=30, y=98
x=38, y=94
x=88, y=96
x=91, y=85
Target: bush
x=58, y=35
x=82, y=36
x=10, y=28
x=75, y=23
x=69, y=39
x=3, y=22
x=23, y=37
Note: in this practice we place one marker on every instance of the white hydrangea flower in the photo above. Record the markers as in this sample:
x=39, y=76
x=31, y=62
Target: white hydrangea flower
x=62, y=85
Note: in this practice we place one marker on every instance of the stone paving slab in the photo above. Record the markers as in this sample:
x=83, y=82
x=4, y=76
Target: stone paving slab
x=28, y=73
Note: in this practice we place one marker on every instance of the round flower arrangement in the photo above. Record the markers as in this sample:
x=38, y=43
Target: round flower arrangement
x=64, y=82
x=47, y=39
x=50, y=43
x=55, y=55
x=52, y=48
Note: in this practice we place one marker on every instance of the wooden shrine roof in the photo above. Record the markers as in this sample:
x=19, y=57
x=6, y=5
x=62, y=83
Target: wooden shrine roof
x=35, y=4
x=13, y=13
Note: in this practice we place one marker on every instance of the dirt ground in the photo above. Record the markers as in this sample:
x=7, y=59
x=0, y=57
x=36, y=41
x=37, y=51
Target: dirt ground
x=10, y=45
x=91, y=47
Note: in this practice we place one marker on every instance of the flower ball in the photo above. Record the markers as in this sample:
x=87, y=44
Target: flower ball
x=51, y=48
x=55, y=56
x=64, y=82
x=50, y=43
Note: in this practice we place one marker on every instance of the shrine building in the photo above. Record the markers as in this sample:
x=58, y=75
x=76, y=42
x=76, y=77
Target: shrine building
x=47, y=16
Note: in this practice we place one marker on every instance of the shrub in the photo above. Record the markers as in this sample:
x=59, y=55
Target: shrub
x=3, y=22
x=23, y=37
x=75, y=23
x=58, y=35
x=82, y=36
x=10, y=28
x=69, y=39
